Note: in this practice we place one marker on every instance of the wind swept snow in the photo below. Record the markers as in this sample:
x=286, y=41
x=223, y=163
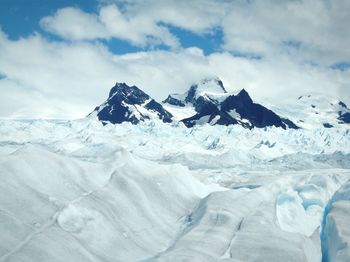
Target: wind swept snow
x=81, y=191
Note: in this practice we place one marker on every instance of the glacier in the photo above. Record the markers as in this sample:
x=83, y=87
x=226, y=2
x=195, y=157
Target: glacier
x=336, y=233
x=82, y=191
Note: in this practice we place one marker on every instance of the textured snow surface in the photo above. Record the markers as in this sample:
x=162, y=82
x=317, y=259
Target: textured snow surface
x=81, y=191
x=314, y=110
x=336, y=230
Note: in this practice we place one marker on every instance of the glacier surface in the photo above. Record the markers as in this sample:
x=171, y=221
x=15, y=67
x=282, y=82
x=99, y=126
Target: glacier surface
x=81, y=191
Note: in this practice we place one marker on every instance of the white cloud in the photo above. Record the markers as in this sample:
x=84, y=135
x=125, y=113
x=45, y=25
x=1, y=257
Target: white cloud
x=140, y=30
x=314, y=31
x=199, y=16
x=319, y=27
x=298, y=39
x=74, y=24
x=58, y=79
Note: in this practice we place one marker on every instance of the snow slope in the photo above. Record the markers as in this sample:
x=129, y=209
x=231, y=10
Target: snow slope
x=316, y=110
x=81, y=191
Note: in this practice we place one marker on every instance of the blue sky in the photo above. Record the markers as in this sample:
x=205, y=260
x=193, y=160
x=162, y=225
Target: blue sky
x=65, y=55
x=20, y=18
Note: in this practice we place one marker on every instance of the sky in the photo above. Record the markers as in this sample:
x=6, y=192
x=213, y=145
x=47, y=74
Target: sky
x=59, y=59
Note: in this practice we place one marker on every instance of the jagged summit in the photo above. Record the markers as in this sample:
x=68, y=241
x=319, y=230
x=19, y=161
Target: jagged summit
x=211, y=103
x=132, y=94
x=244, y=96
x=210, y=88
x=129, y=103
x=176, y=100
x=236, y=109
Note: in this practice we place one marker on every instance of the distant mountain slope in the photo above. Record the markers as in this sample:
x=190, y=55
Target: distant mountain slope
x=316, y=110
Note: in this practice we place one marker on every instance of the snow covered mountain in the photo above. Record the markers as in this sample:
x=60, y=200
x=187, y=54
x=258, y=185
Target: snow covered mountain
x=205, y=102
x=315, y=111
x=212, y=104
x=130, y=104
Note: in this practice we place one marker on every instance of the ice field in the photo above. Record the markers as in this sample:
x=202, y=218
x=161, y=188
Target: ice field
x=81, y=191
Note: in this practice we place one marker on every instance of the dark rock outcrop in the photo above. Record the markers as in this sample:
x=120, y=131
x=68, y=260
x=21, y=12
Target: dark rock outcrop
x=234, y=109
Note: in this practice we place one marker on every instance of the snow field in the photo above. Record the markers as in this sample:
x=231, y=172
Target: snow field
x=80, y=191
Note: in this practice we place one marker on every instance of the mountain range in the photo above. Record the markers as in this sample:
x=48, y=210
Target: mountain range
x=208, y=102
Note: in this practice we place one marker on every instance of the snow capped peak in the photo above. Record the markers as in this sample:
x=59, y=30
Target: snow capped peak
x=214, y=105
x=207, y=101
x=131, y=93
x=130, y=104
x=120, y=87
x=200, y=95
x=206, y=86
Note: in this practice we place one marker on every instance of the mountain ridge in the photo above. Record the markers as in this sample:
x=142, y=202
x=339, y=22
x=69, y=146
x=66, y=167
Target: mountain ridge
x=205, y=102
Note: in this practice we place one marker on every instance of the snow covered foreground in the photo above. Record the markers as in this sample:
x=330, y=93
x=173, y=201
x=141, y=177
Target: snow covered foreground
x=80, y=191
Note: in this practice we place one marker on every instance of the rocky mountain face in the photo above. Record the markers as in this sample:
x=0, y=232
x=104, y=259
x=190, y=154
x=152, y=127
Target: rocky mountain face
x=131, y=104
x=344, y=113
x=214, y=105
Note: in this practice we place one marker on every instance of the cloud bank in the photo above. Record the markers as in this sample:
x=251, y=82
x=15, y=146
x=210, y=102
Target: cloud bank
x=277, y=50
